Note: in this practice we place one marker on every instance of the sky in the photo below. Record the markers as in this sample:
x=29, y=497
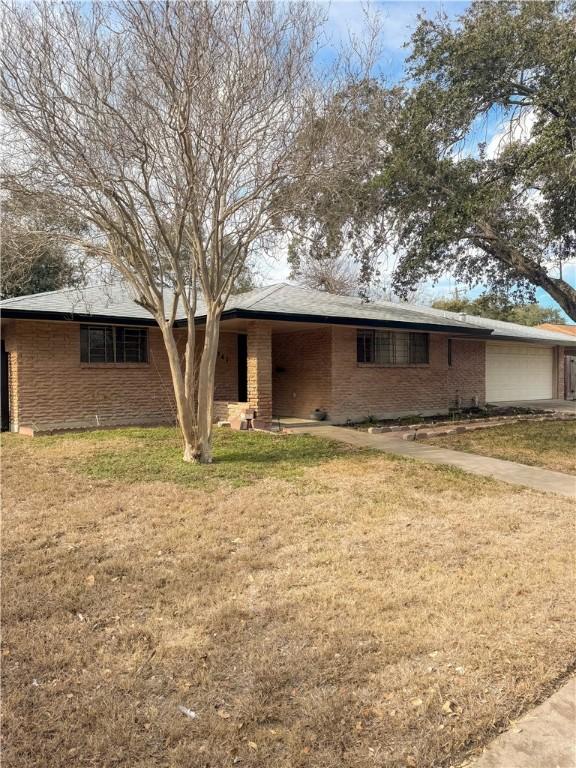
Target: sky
x=399, y=20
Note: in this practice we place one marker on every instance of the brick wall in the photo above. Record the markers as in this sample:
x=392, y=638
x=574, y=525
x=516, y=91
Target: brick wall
x=301, y=372
x=291, y=373
x=319, y=370
x=52, y=389
x=260, y=370
x=361, y=390
x=226, y=376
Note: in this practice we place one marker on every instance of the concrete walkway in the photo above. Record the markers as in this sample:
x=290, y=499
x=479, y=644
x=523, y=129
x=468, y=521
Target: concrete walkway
x=508, y=471
x=560, y=406
x=544, y=738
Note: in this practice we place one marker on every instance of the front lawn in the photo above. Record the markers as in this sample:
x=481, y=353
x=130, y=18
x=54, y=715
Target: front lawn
x=137, y=454
x=317, y=608
x=544, y=444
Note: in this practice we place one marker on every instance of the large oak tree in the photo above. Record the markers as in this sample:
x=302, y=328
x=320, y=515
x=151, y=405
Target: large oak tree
x=503, y=215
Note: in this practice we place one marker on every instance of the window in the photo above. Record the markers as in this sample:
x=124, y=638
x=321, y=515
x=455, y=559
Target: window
x=112, y=344
x=450, y=353
x=391, y=348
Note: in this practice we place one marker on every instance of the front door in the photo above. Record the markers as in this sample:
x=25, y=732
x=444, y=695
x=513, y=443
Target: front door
x=242, y=368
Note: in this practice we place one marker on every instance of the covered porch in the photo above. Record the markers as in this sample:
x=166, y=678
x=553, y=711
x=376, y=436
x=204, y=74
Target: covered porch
x=276, y=369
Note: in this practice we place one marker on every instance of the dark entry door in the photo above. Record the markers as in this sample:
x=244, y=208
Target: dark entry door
x=4, y=397
x=242, y=367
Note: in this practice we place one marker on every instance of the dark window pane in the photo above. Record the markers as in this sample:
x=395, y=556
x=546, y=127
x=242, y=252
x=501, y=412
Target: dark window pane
x=99, y=345
x=84, y=345
x=384, y=348
x=144, y=346
x=418, y=347
x=401, y=349
x=119, y=339
x=133, y=343
x=365, y=346
x=108, y=344
x=392, y=347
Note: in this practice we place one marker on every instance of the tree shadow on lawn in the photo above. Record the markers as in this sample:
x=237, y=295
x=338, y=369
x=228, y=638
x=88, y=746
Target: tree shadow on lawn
x=155, y=454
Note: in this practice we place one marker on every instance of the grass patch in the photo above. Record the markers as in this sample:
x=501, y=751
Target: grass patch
x=543, y=444
x=152, y=454
x=363, y=612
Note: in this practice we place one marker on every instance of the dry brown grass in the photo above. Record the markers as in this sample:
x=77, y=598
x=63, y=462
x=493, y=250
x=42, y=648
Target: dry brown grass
x=543, y=444
x=320, y=622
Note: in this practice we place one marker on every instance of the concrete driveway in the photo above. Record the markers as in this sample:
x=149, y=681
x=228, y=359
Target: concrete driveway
x=562, y=406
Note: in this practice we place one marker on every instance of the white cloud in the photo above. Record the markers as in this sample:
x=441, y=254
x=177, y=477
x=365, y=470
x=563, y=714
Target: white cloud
x=510, y=131
x=397, y=21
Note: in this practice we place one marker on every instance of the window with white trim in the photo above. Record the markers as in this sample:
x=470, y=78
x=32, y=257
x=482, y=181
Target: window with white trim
x=113, y=344
x=392, y=347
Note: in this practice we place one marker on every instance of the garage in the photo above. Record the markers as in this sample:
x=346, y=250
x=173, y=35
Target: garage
x=519, y=372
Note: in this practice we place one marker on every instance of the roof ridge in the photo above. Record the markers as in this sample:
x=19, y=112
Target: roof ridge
x=333, y=296
x=265, y=292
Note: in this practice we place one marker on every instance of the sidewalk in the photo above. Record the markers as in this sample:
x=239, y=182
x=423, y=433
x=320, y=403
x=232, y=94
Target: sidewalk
x=544, y=738
x=507, y=471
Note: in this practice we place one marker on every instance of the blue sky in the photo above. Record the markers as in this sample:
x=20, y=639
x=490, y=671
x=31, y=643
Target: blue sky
x=398, y=21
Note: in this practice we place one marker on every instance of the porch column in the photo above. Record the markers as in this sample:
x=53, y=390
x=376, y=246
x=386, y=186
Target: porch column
x=260, y=370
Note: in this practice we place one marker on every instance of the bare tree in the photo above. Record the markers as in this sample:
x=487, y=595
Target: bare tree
x=337, y=275
x=168, y=128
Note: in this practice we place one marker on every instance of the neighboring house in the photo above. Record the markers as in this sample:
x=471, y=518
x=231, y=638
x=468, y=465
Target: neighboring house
x=570, y=359
x=96, y=358
x=558, y=328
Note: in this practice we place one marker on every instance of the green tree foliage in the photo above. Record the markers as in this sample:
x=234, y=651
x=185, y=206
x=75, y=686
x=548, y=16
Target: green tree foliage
x=504, y=218
x=500, y=307
x=508, y=217
x=36, y=256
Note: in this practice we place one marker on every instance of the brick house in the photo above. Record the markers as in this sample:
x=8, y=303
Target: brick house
x=94, y=357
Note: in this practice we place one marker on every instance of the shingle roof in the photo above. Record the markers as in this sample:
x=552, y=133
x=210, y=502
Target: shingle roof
x=503, y=330
x=281, y=302
x=304, y=303
x=98, y=300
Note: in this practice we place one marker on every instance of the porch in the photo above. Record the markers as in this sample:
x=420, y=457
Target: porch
x=272, y=368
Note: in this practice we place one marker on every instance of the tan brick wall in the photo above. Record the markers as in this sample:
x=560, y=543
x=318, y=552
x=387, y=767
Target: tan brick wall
x=260, y=370
x=52, y=389
x=226, y=377
x=360, y=390
x=301, y=372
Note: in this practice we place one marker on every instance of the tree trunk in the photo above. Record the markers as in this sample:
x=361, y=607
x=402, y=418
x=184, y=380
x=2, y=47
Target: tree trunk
x=558, y=289
x=184, y=400
x=203, y=448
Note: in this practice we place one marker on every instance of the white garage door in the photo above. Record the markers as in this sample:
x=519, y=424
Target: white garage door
x=518, y=372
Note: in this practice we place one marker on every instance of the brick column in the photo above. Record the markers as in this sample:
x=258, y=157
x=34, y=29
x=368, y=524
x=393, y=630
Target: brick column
x=260, y=371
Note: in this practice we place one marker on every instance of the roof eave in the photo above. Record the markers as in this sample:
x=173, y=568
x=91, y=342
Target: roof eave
x=73, y=317
x=292, y=317
x=568, y=342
